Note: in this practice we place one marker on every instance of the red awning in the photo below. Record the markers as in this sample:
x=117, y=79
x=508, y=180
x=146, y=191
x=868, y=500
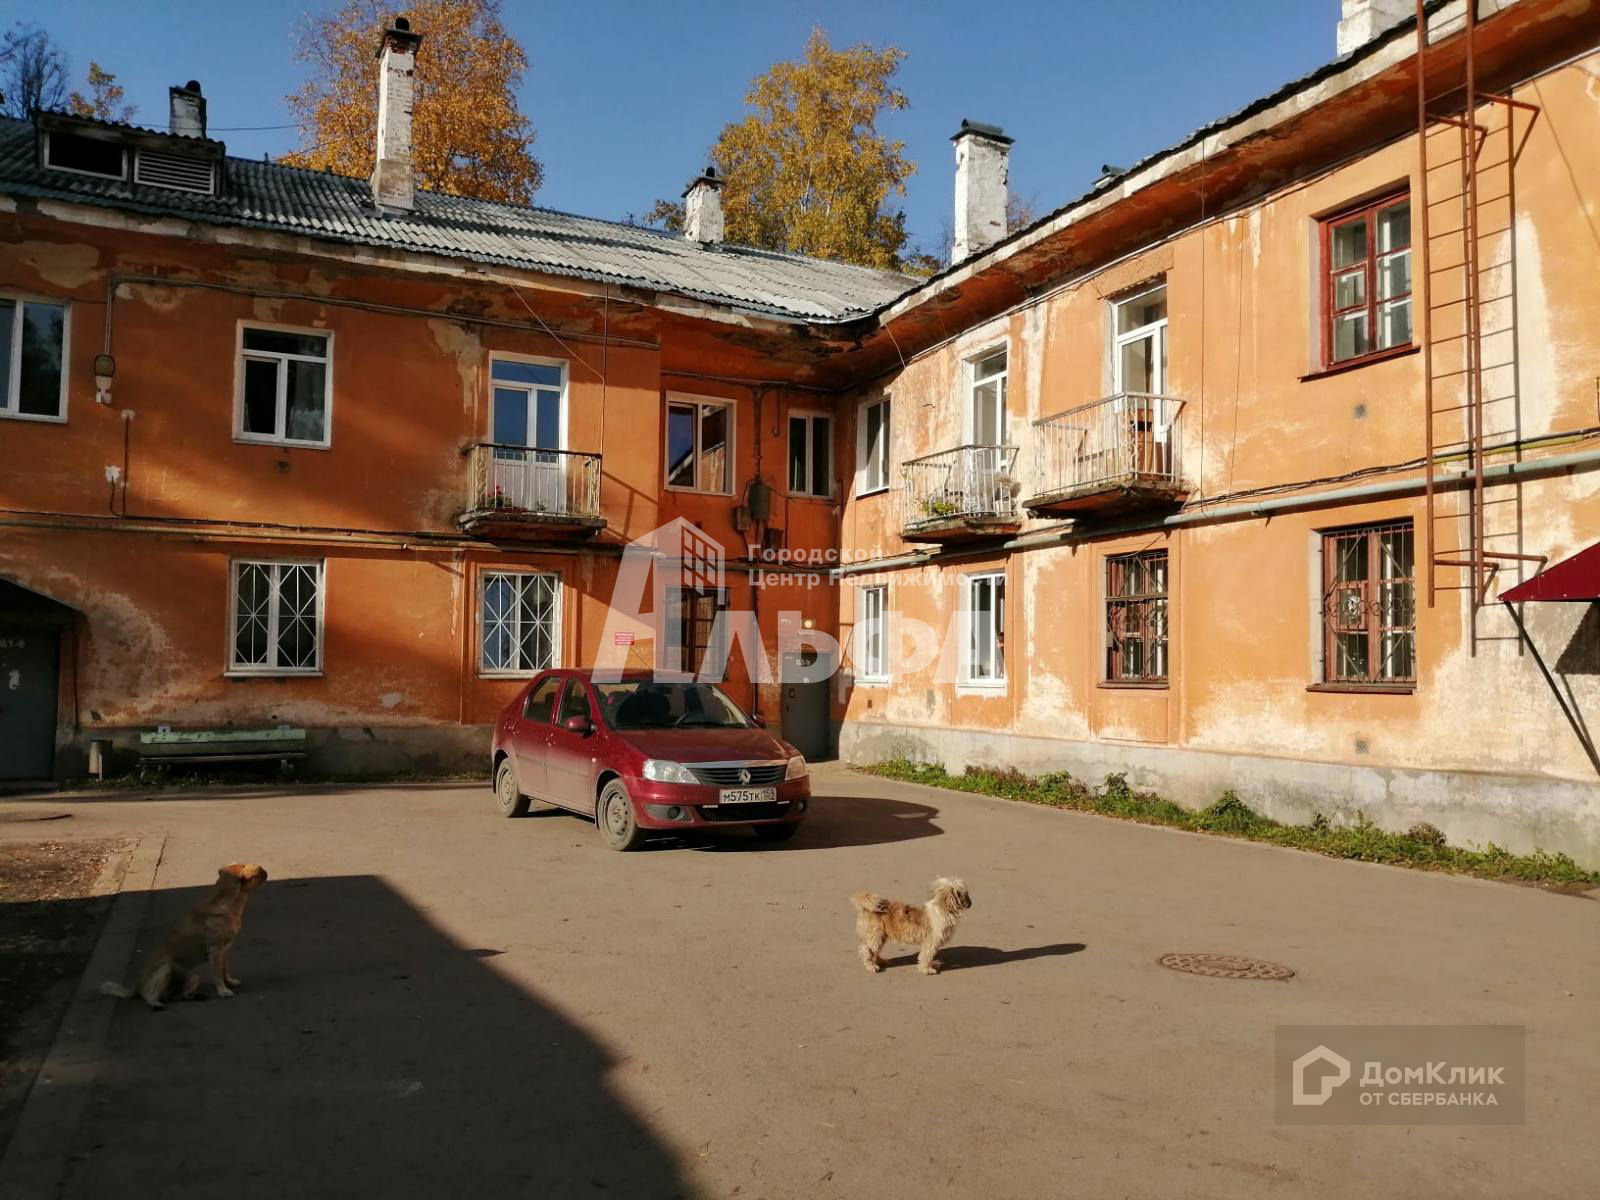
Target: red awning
x=1572, y=579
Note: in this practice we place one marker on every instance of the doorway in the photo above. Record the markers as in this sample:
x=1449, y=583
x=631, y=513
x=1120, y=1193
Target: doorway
x=527, y=419
x=29, y=674
x=803, y=709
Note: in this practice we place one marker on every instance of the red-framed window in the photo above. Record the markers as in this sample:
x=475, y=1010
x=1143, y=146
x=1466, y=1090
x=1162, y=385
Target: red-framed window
x=1136, y=618
x=1366, y=276
x=1369, y=606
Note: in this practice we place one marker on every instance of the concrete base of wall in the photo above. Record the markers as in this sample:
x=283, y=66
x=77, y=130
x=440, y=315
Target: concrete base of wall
x=1519, y=812
x=374, y=750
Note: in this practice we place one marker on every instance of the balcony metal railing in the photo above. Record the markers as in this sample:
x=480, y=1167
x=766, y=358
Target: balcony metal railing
x=1131, y=439
x=519, y=481
x=965, y=483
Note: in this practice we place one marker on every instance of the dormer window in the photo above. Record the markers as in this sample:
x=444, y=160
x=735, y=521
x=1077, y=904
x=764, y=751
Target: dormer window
x=82, y=155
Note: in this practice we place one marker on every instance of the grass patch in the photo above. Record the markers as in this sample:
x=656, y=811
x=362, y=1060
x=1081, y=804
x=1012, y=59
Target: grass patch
x=1420, y=846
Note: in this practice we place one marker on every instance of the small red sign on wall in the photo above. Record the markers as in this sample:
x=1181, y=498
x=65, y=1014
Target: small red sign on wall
x=622, y=639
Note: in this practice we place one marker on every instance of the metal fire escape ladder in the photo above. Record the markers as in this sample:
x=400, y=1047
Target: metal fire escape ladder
x=1466, y=202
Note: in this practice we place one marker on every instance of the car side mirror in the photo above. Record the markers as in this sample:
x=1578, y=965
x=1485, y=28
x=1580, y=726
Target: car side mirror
x=760, y=720
x=578, y=725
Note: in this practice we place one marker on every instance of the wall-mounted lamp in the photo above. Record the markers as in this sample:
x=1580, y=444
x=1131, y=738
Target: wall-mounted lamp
x=808, y=623
x=105, y=369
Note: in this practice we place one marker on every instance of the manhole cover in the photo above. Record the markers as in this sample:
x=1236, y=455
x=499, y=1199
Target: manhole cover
x=1225, y=966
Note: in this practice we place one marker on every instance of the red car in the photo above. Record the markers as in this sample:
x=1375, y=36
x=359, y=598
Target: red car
x=644, y=755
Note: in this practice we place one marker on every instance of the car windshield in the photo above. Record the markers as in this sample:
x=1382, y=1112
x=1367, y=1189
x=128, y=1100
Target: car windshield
x=647, y=704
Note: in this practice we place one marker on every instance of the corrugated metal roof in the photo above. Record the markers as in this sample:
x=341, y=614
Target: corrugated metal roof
x=263, y=195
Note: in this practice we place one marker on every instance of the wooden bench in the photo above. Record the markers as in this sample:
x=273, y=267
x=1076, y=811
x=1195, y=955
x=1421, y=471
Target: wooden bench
x=282, y=745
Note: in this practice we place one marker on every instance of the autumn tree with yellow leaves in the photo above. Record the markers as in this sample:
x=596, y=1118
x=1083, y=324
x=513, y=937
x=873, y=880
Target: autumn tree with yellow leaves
x=469, y=138
x=807, y=170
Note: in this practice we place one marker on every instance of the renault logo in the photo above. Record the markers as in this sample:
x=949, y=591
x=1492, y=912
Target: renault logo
x=744, y=774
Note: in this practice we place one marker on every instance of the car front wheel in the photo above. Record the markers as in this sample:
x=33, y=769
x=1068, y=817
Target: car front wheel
x=614, y=816
x=510, y=801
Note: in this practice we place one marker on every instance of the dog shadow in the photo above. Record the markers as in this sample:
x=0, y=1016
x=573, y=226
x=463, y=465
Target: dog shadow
x=957, y=958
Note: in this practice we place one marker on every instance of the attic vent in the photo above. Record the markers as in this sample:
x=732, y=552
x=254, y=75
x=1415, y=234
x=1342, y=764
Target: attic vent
x=178, y=171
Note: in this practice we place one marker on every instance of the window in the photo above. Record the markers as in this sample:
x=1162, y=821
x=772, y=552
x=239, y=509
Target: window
x=872, y=447
x=1366, y=259
x=541, y=703
x=1136, y=618
x=700, y=445
x=1368, y=606
x=1139, y=342
x=987, y=400
x=985, y=663
x=284, y=385
x=277, y=617
x=810, y=454
x=691, y=627
x=574, y=701
x=85, y=155
x=872, y=627
x=521, y=629
x=33, y=351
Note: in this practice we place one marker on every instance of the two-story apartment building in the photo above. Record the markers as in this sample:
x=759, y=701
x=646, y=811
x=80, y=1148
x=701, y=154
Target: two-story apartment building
x=1180, y=480
x=1213, y=477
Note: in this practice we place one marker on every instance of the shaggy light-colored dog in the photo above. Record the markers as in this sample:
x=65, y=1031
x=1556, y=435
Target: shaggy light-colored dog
x=204, y=935
x=926, y=928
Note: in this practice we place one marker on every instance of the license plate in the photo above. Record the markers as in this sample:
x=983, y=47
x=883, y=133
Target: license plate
x=747, y=795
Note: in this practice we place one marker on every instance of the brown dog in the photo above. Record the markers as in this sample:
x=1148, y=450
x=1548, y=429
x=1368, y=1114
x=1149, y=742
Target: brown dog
x=204, y=935
x=927, y=928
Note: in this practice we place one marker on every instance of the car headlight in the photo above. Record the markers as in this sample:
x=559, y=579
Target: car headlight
x=796, y=768
x=661, y=770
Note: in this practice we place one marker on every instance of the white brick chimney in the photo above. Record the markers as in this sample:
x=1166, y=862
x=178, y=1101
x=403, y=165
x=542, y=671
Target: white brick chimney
x=393, y=183
x=188, y=110
x=702, y=209
x=1362, y=20
x=982, y=188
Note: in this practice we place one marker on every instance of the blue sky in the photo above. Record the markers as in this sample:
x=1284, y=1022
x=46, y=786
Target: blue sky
x=627, y=97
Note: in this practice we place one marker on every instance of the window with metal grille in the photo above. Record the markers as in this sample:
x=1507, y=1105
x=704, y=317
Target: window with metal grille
x=521, y=622
x=277, y=617
x=180, y=172
x=1369, y=606
x=691, y=628
x=1136, y=617
x=1366, y=257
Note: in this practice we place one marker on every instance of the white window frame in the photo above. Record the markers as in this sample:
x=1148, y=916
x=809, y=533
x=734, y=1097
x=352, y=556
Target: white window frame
x=50, y=166
x=1156, y=330
x=969, y=584
x=865, y=672
x=11, y=387
x=531, y=389
x=557, y=615
x=810, y=416
x=700, y=403
x=282, y=358
x=238, y=669
x=1003, y=390
x=866, y=459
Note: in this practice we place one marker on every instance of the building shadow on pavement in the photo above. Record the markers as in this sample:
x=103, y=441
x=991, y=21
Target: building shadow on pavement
x=368, y=1053
x=956, y=958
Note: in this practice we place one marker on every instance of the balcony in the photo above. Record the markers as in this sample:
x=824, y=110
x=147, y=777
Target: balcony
x=963, y=493
x=520, y=492
x=1111, y=456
